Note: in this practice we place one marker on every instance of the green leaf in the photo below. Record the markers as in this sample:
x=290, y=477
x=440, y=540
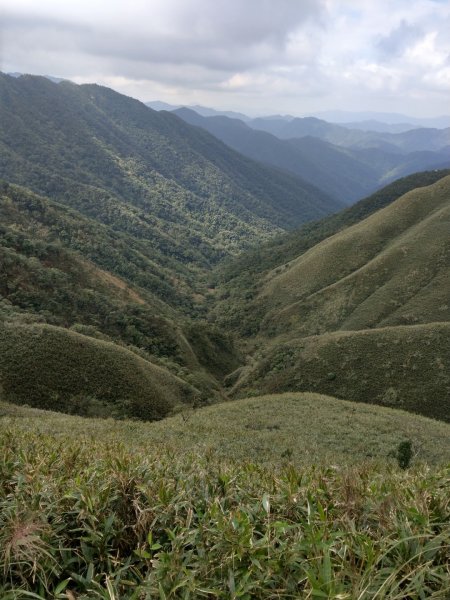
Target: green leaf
x=61, y=586
x=266, y=503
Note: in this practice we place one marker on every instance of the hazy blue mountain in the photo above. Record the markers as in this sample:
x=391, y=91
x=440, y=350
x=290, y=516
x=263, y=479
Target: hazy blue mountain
x=332, y=169
x=204, y=111
x=343, y=116
x=409, y=141
x=158, y=105
x=374, y=125
x=342, y=172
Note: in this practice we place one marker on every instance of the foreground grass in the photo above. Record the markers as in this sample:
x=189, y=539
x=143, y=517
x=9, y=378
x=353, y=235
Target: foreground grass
x=305, y=428
x=84, y=515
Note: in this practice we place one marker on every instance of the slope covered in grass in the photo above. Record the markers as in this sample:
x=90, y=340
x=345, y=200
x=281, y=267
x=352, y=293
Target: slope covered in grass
x=50, y=367
x=241, y=280
x=392, y=268
x=87, y=513
x=404, y=367
x=362, y=315
x=302, y=428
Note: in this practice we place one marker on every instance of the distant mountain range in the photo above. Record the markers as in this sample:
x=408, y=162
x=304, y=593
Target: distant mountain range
x=369, y=121
x=356, y=164
x=204, y=111
x=342, y=116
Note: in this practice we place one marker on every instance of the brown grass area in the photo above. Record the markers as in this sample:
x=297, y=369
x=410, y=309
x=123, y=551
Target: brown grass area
x=112, y=280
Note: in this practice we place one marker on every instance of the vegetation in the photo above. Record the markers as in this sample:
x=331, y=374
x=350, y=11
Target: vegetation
x=49, y=275
x=85, y=515
x=390, y=269
x=99, y=509
x=403, y=367
x=363, y=315
x=288, y=246
x=106, y=311
x=305, y=428
x=344, y=173
x=51, y=367
x=186, y=196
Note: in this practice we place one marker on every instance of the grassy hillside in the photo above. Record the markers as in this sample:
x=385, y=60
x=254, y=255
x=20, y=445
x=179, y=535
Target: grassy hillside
x=300, y=428
x=390, y=269
x=403, y=367
x=144, y=173
x=382, y=286
x=239, y=281
x=50, y=367
x=101, y=509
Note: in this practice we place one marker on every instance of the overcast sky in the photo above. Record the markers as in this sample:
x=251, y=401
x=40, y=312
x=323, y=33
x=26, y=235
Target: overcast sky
x=256, y=56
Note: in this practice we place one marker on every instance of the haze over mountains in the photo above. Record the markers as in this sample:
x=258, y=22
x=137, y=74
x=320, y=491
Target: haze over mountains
x=347, y=162
x=353, y=166
x=359, y=119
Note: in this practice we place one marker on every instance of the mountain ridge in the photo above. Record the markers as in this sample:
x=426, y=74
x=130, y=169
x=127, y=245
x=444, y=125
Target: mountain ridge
x=342, y=172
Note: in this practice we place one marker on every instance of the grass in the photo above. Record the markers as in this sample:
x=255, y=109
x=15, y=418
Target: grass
x=404, y=367
x=304, y=428
x=53, y=368
x=98, y=512
x=244, y=275
x=390, y=269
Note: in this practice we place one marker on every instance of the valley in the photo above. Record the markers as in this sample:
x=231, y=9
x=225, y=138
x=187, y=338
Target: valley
x=224, y=349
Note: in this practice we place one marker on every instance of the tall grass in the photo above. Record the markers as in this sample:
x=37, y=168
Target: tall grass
x=88, y=519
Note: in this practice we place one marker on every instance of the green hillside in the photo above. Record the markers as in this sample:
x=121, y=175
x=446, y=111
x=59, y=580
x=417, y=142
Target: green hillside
x=403, y=367
x=390, y=269
x=382, y=286
x=64, y=269
x=241, y=280
x=135, y=211
x=51, y=367
x=303, y=429
x=144, y=173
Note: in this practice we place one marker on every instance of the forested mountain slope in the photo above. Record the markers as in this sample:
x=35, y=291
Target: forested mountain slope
x=146, y=173
x=63, y=269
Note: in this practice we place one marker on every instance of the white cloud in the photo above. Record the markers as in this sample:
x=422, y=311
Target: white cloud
x=293, y=56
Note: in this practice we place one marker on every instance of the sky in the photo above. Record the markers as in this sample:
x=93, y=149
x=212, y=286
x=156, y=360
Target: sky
x=259, y=57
